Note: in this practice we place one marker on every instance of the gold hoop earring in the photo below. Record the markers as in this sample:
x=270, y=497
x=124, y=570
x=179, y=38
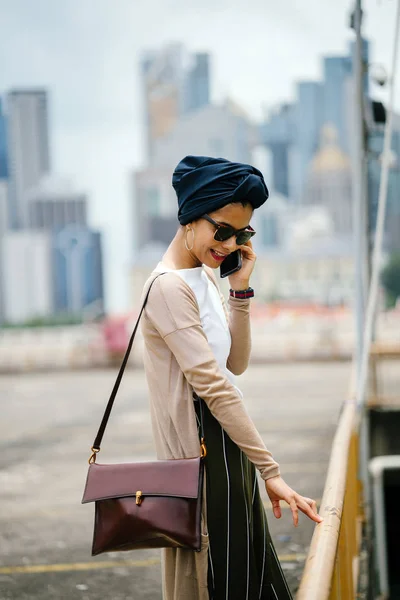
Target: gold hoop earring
x=186, y=244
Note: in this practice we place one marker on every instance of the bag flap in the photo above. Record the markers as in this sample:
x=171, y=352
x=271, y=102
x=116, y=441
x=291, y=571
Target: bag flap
x=177, y=477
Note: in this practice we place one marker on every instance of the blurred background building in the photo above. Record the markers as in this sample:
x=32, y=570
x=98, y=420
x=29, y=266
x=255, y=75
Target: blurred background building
x=28, y=148
x=209, y=131
x=292, y=131
x=175, y=83
x=375, y=143
x=328, y=181
x=50, y=259
x=3, y=198
x=3, y=144
x=305, y=230
x=306, y=157
x=310, y=145
x=179, y=120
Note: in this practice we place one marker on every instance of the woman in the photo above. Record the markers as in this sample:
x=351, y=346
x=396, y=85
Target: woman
x=193, y=349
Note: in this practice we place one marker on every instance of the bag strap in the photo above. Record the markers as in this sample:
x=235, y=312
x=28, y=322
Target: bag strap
x=203, y=447
x=96, y=444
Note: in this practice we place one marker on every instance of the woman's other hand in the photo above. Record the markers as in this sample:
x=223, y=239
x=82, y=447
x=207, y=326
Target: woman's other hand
x=241, y=279
x=278, y=490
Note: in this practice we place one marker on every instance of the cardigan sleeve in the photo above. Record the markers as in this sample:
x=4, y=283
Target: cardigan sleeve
x=239, y=326
x=173, y=311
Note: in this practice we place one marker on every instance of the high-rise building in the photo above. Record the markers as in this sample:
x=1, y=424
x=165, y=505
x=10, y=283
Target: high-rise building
x=55, y=206
x=77, y=270
x=175, y=82
x=196, y=87
x=27, y=275
x=3, y=229
x=308, y=120
x=154, y=207
x=392, y=223
x=3, y=200
x=54, y=203
x=335, y=104
x=278, y=135
x=28, y=148
x=3, y=145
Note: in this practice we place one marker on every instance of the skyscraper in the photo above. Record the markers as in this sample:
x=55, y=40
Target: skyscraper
x=54, y=203
x=197, y=83
x=3, y=200
x=77, y=269
x=27, y=275
x=175, y=83
x=28, y=148
x=57, y=207
x=337, y=70
x=278, y=134
x=3, y=229
x=392, y=224
x=3, y=145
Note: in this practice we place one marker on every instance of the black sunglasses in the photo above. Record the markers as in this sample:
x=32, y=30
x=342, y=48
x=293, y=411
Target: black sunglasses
x=224, y=232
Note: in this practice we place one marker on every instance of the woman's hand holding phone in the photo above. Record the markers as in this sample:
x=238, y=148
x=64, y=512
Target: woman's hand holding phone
x=241, y=279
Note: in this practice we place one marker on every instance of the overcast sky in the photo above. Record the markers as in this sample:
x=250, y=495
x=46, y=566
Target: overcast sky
x=86, y=53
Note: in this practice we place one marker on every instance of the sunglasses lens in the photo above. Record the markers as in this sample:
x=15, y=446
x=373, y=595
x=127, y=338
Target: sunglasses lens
x=244, y=237
x=223, y=233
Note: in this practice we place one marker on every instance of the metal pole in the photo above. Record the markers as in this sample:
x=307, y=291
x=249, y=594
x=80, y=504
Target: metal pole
x=361, y=234
x=359, y=188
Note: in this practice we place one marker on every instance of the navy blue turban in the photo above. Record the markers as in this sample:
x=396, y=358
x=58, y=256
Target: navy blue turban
x=205, y=184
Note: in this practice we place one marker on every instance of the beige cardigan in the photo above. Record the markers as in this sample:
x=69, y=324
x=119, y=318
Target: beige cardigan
x=178, y=360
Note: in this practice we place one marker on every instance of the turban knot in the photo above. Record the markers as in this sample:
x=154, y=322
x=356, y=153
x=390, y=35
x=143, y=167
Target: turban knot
x=205, y=184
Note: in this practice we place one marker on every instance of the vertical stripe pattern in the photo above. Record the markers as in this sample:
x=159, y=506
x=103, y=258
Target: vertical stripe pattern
x=227, y=516
x=242, y=562
x=263, y=561
x=247, y=527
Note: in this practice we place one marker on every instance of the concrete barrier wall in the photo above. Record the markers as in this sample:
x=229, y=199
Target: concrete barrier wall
x=285, y=337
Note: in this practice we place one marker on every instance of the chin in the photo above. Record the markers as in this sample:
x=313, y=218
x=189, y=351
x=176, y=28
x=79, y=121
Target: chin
x=209, y=261
x=211, y=264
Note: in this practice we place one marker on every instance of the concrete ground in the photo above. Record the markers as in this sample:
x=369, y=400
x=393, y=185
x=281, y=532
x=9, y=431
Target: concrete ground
x=48, y=423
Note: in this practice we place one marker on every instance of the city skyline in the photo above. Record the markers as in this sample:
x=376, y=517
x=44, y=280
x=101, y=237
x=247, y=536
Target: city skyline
x=89, y=62
x=51, y=261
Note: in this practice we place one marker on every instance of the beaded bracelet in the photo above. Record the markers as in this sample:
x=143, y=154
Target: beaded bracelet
x=242, y=294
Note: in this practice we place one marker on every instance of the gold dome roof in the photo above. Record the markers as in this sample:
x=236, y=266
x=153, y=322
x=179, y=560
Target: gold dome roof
x=330, y=157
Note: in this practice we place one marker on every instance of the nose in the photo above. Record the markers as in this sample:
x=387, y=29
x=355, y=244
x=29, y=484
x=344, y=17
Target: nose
x=230, y=244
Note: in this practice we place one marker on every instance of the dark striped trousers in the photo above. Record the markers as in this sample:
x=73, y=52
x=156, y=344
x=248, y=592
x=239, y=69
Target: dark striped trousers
x=242, y=562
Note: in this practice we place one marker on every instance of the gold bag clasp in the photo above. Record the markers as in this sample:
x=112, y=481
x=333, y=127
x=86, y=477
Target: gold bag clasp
x=203, y=449
x=139, y=498
x=92, y=458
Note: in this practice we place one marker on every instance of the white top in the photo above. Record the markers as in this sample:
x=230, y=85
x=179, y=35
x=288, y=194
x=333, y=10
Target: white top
x=212, y=314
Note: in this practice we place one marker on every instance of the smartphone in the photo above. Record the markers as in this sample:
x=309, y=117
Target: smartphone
x=231, y=264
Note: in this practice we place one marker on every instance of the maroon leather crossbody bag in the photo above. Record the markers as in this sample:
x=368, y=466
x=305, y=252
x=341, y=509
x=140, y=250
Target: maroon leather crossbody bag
x=144, y=505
